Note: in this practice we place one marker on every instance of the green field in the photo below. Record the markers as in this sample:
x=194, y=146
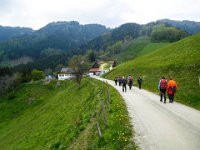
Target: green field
x=150, y=47
x=138, y=47
x=57, y=115
x=180, y=61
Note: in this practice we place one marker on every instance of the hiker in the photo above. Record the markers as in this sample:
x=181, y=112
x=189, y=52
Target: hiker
x=124, y=82
x=171, y=89
x=139, y=80
x=115, y=79
x=162, y=86
x=130, y=81
x=120, y=80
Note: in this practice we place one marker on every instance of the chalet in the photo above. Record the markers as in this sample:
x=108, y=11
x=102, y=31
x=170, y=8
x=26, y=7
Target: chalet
x=101, y=67
x=66, y=74
x=94, y=71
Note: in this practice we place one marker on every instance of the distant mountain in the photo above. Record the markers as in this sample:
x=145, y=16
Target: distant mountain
x=7, y=33
x=154, y=31
x=71, y=38
x=69, y=35
x=66, y=37
x=123, y=32
x=190, y=27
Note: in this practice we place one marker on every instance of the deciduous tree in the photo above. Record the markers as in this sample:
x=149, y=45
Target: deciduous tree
x=79, y=66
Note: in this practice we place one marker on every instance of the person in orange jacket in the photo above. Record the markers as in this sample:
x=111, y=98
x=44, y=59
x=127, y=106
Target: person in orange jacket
x=171, y=90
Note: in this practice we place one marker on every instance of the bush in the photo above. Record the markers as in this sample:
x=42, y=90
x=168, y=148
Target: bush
x=37, y=75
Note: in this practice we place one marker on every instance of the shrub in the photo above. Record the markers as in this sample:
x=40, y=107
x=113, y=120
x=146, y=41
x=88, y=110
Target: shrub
x=37, y=75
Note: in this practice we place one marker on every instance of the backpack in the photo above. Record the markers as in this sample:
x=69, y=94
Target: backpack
x=139, y=80
x=130, y=78
x=173, y=89
x=163, y=84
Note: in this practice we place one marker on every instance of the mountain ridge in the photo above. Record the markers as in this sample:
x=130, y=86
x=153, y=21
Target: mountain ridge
x=72, y=38
x=65, y=36
x=7, y=32
x=191, y=27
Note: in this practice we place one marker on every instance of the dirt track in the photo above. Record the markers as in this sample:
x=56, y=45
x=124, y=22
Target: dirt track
x=160, y=126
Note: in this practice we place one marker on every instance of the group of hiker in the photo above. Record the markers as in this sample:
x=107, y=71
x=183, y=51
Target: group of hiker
x=169, y=87
x=123, y=81
x=163, y=86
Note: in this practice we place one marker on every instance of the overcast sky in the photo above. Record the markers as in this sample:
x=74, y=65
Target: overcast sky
x=111, y=13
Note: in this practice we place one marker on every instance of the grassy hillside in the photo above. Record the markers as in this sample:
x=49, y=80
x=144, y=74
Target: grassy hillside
x=138, y=47
x=59, y=116
x=180, y=61
x=132, y=50
x=150, y=47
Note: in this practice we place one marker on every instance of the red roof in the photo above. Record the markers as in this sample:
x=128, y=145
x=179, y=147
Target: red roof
x=94, y=70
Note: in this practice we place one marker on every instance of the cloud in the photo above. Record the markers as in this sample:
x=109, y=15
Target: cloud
x=112, y=13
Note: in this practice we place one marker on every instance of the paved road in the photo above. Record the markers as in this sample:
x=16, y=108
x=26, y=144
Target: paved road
x=160, y=126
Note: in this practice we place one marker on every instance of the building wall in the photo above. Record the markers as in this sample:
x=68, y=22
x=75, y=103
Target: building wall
x=65, y=76
x=105, y=66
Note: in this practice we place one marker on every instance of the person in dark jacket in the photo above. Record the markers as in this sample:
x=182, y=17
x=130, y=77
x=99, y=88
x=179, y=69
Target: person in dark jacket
x=139, y=80
x=120, y=80
x=124, y=82
x=115, y=79
x=162, y=86
x=130, y=81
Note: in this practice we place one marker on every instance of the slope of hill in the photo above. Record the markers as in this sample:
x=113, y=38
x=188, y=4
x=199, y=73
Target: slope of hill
x=126, y=41
x=179, y=61
x=138, y=47
x=156, y=31
x=152, y=46
x=71, y=38
x=57, y=115
x=129, y=50
x=7, y=33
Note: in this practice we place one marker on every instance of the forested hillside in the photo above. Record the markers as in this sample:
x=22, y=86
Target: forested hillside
x=190, y=27
x=126, y=32
x=54, y=39
x=125, y=42
x=43, y=47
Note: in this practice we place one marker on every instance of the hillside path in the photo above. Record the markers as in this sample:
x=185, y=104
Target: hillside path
x=160, y=126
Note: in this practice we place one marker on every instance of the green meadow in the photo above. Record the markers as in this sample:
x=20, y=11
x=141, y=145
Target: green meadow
x=58, y=115
x=138, y=47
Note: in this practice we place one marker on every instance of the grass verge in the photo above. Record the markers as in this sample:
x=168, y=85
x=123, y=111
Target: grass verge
x=59, y=116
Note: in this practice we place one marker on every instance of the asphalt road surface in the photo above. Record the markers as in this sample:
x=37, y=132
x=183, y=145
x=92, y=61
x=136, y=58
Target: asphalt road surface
x=159, y=126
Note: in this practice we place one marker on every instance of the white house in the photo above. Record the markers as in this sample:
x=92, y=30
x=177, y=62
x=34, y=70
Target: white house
x=66, y=74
